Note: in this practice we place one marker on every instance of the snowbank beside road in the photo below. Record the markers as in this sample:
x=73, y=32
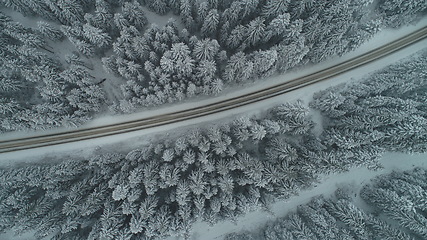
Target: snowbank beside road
x=132, y=138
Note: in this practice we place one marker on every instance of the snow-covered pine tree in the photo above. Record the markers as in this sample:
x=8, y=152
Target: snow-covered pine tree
x=277, y=27
x=216, y=86
x=102, y=16
x=210, y=24
x=398, y=208
x=205, y=71
x=206, y=49
x=351, y=216
x=202, y=12
x=96, y=36
x=71, y=10
x=48, y=31
x=236, y=37
x=249, y=8
x=186, y=13
x=239, y=68
x=397, y=12
x=159, y=6
x=264, y=62
x=175, y=6
x=133, y=12
x=178, y=61
x=298, y=228
x=274, y=8
x=255, y=31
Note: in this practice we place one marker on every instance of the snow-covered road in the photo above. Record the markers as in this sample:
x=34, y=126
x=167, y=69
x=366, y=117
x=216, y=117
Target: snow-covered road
x=304, y=94
x=357, y=177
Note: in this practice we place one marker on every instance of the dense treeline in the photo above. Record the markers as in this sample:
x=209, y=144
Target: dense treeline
x=229, y=42
x=222, y=170
x=36, y=90
x=211, y=44
x=388, y=109
x=213, y=173
x=161, y=189
x=399, y=196
x=396, y=13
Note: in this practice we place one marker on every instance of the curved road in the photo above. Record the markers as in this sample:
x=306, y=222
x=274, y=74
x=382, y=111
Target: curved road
x=124, y=127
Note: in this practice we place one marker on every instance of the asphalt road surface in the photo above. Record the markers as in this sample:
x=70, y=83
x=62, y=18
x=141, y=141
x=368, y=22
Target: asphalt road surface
x=238, y=101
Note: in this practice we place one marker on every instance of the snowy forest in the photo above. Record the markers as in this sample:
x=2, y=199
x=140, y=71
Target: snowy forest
x=220, y=171
x=397, y=210
x=65, y=62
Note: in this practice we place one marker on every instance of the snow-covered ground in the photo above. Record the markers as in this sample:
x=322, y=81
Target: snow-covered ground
x=380, y=39
x=162, y=20
x=133, y=139
x=356, y=178
x=9, y=235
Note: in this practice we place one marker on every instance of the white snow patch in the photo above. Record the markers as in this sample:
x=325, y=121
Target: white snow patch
x=162, y=20
x=10, y=235
x=26, y=21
